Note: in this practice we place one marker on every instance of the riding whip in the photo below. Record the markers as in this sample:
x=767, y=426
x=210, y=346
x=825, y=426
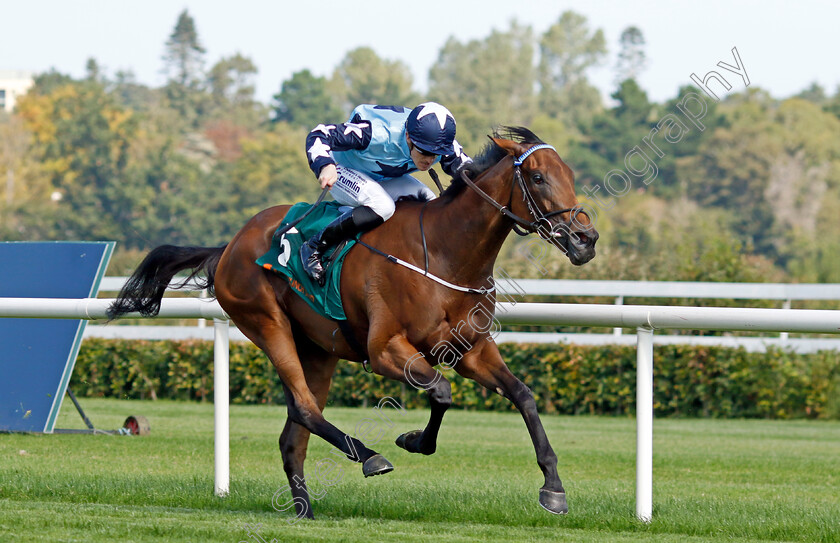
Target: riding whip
x=280, y=231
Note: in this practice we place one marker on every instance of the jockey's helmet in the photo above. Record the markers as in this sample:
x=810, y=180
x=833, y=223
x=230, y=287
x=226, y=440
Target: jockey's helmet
x=431, y=127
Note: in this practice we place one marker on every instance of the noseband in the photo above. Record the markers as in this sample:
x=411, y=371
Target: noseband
x=522, y=226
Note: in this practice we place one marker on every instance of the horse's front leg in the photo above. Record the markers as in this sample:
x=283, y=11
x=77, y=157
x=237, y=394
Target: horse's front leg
x=397, y=359
x=484, y=365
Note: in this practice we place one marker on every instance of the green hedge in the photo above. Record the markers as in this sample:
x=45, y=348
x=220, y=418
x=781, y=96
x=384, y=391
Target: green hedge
x=689, y=381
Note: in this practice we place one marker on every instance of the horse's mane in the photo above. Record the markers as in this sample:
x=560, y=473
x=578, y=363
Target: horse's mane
x=491, y=155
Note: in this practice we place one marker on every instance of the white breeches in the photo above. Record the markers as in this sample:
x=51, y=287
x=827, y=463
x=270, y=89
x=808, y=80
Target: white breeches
x=355, y=189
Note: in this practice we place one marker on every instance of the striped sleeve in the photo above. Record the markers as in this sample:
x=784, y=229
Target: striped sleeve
x=335, y=137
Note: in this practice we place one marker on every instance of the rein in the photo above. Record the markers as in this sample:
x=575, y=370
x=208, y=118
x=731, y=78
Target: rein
x=522, y=226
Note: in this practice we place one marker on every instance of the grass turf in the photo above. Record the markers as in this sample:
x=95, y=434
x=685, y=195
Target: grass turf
x=736, y=480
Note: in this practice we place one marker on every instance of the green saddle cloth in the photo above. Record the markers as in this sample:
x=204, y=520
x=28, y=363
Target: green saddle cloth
x=283, y=258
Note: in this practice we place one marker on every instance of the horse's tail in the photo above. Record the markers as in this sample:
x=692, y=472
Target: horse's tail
x=144, y=289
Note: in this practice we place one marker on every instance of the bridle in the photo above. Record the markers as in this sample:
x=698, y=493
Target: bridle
x=522, y=226
x=527, y=227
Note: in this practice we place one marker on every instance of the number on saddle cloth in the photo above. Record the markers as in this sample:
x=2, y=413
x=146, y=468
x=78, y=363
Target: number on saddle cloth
x=283, y=257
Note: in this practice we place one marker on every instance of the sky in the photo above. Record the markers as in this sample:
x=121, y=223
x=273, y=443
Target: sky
x=784, y=46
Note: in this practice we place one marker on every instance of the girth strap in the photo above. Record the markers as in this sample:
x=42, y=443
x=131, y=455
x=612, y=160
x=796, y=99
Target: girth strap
x=350, y=337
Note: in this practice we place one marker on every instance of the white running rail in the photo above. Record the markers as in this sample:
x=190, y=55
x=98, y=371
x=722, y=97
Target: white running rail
x=645, y=319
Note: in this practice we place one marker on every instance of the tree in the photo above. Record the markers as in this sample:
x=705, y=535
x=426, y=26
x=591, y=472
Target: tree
x=82, y=139
x=184, y=55
x=746, y=162
x=815, y=93
x=305, y=101
x=184, y=60
x=833, y=105
x=495, y=76
x=567, y=50
x=24, y=212
x=133, y=95
x=631, y=57
x=231, y=81
x=812, y=258
x=93, y=71
x=802, y=186
x=47, y=82
x=368, y=79
x=678, y=157
x=612, y=134
x=272, y=170
x=555, y=132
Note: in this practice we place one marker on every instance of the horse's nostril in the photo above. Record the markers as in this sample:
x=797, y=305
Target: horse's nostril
x=587, y=240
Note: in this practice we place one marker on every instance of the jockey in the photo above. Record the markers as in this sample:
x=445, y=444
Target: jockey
x=366, y=162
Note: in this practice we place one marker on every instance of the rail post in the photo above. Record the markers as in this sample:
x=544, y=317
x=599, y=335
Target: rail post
x=644, y=424
x=786, y=305
x=221, y=399
x=619, y=300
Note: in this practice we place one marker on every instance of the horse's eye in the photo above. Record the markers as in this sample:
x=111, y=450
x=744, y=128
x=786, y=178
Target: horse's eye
x=537, y=178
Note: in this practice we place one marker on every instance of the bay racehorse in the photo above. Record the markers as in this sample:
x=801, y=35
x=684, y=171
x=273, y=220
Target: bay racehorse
x=404, y=320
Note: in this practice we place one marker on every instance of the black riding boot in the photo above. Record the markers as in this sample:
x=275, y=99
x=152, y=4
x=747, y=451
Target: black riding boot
x=361, y=219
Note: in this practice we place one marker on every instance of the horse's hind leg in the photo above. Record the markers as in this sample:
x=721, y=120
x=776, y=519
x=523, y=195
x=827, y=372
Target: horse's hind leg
x=273, y=334
x=318, y=367
x=294, y=439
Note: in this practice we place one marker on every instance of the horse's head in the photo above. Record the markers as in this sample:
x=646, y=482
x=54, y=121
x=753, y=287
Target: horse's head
x=544, y=195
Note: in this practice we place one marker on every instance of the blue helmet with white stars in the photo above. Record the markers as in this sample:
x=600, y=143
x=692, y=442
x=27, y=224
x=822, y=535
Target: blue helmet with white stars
x=431, y=127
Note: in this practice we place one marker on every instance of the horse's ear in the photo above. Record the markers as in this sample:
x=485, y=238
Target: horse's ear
x=512, y=148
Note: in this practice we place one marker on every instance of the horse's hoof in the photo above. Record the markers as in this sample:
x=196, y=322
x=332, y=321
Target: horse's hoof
x=553, y=502
x=402, y=441
x=376, y=465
